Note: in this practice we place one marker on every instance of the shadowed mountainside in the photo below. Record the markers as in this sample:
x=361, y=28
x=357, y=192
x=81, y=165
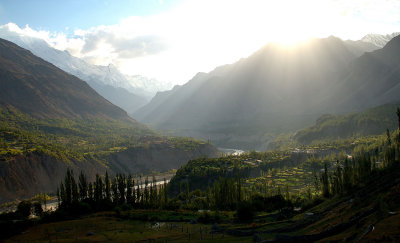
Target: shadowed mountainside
x=245, y=104
x=38, y=88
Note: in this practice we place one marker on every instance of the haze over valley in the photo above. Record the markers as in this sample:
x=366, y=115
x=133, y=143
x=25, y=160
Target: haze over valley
x=234, y=121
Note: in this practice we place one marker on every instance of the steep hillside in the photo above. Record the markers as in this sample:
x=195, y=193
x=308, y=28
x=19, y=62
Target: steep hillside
x=369, y=122
x=278, y=89
x=372, y=80
x=274, y=90
x=129, y=93
x=38, y=88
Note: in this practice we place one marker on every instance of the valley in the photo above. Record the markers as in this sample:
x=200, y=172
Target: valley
x=293, y=143
x=51, y=121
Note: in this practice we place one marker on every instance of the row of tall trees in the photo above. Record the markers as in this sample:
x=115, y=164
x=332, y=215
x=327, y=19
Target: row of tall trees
x=225, y=194
x=120, y=190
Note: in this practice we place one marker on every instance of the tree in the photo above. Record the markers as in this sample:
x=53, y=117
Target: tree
x=90, y=191
x=68, y=187
x=114, y=188
x=325, y=182
x=165, y=193
x=129, y=193
x=107, y=187
x=398, y=116
x=74, y=186
x=98, y=189
x=24, y=208
x=347, y=171
x=37, y=209
x=389, y=141
x=83, y=186
x=245, y=212
x=121, y=188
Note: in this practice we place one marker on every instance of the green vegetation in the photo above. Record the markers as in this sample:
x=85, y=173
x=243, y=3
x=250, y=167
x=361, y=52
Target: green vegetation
x=330, y=127
x=105, y=226
x=65, y=138
x=324, y=192
x=78, y=139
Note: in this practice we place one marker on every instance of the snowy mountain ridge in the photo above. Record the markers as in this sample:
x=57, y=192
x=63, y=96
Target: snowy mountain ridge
x=104, y=75
x=379, y=40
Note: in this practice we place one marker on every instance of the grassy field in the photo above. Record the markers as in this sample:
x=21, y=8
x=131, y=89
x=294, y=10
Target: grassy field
x=105, y=227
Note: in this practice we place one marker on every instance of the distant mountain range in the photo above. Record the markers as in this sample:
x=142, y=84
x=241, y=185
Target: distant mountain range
x=127, y=92
x=379, y=40
x=277, y=89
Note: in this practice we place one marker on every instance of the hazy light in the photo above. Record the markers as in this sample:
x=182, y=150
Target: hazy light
x=200, y=35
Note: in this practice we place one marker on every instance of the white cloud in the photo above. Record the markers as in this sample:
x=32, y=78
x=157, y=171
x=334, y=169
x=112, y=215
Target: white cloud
x=200, y=35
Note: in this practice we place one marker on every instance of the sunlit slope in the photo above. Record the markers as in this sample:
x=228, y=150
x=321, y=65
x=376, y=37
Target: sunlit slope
x=279, y=88
x=331, y=127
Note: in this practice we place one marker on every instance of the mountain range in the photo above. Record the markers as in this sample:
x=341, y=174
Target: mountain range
x=379, y=40
x=277, y=89
x=127, y=92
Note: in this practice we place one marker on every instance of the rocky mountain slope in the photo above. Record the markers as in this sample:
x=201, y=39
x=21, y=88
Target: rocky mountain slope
x=127, y=92
x=38, y=88
x=372, y=80
x=277, y=89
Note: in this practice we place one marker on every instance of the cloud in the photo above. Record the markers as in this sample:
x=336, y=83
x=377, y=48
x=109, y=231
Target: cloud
x=140, y=46
x=123, y=47
x=200, y=35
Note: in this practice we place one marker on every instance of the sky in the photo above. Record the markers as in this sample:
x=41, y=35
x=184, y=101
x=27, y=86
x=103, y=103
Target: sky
x=172, y=40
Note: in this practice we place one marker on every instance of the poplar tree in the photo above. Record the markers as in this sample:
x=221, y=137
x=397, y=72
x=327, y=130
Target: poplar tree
x=121, y=188
x=83, y=186
x=107, y=187
x=325, y=182
x=114, y=188
x=129, y=196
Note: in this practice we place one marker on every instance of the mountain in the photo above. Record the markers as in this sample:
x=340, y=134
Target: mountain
x=277, y=89
x=51, y=120
x=379, y=40
x=360, y=47
x=372, y=80
x=127, y=92
x=38, y=88
x=245, y=104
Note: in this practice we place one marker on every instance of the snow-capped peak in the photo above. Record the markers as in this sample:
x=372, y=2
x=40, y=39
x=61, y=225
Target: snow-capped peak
x=379, y=40
x=93, y=74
